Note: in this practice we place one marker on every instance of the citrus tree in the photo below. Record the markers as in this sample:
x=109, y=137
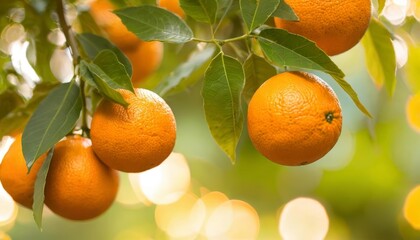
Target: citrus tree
x=96, y=73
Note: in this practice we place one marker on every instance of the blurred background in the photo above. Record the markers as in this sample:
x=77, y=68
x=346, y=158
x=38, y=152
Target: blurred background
x=367, y=187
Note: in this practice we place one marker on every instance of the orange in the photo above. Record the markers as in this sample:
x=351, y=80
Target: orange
x=412, y=208
x=135, y=138
x=79, y=186
x=145, y=59
x=413, y=112
x=14, y=174
x=294, y=118
x=335, y=26
x=117, y=32
x=172, y=6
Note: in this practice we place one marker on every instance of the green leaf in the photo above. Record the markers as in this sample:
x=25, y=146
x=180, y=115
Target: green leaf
x=153, y=23
x=200, y=10
x=284, y=11
x=381, y=5
x=93, y=44
x=39, y=196
x=178, y=79
x=412, y=68
x=353, y=95
x=257, y=71
x=380, y=56
x=106, y=86
x=108, y=62
x=256, y=12
x=55, y=117
x=222, y=91
x=290, y=50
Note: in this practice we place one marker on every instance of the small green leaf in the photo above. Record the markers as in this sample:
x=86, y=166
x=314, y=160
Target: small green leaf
x=153, y=23
x=256, y=12
x=380, y=56
x=93, y=44
x=108, y=62
x=353, y=95
x=178, y=79
x=55, y=117
x=290, y=50
x=200, y=10
x=284, y=11
x=106, y=86
x=257, y=71
x=39, y=196
x=222, y=91
x=412, y=68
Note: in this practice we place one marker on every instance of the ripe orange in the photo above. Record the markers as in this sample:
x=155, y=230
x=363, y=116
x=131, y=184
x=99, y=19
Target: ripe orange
x=335, y=26
x=117, y=32
x=135, y=138
x=79, y=186
x=173, y=6
x=145, y=59
x=14, y=174
x=294, y=118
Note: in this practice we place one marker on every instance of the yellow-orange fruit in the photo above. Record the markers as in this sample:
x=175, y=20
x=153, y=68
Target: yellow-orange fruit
x=173, y=6
x=335, y=26
x=79, y=186
x=413, y=112
x=135, y=138
x=14, y=174
x=294, y=118
x=111, y=24
x=145, y=59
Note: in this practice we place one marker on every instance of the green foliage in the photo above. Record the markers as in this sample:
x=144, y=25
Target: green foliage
x=413, y=69
x=201, y=10
x=38, y=205
x=222, y=92
x=381, y=62
x=153, y=23
x=285, y=12
x=55, y=117
x=256, y=12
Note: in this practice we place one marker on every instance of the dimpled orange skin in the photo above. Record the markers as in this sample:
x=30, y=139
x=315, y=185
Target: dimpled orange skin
x=294, y=118
x=14, y=174
x=173, y=6
x=137, y=138
x=117, y=32
x=145, y=59
x=334, y=25
x=79, y=186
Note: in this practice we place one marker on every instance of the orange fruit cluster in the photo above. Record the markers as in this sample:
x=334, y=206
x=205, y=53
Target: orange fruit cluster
x=335, y=26
x=294, y=118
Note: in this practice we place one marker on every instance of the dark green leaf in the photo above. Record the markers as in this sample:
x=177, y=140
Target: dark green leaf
x=222, y=91
x=92, y=44
x=177, y=80
x=154, y=23
x=55, y=117
x=256, y=12
x=257, y=71
x=290, y=50
x=200, y=10
x=380, y=56
x=106, y=86
x=108, y=62
x=284, y=11
x=41, y=177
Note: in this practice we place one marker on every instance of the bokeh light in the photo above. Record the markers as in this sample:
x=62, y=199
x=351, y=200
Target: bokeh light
x=401, y=51
x=182, y=219
x=303, y=219
x=413, y=111
x=233, y=219
x=167, y=182
x=8, y=210
x=61, y=65
x=412, y=208
x=396, y=11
